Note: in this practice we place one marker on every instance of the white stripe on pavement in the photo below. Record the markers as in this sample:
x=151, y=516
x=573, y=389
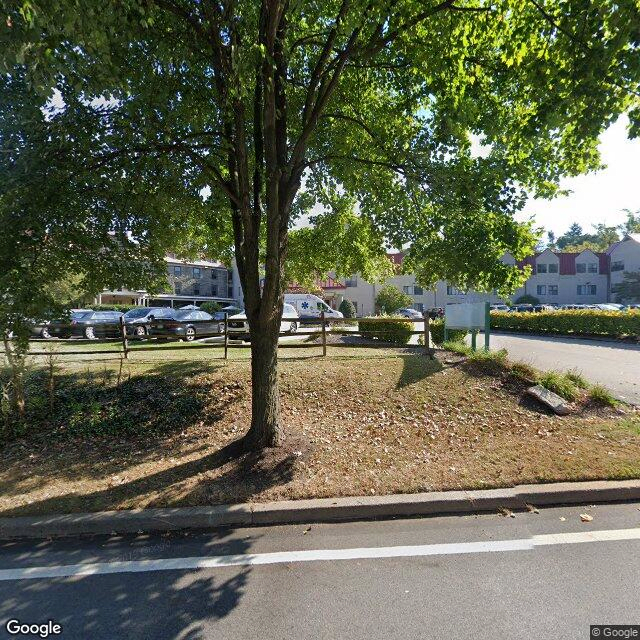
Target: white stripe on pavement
x=314, y=555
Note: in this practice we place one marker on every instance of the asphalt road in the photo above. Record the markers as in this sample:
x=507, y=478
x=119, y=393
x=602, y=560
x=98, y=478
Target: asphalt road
x=616, y=365
x=544, y=576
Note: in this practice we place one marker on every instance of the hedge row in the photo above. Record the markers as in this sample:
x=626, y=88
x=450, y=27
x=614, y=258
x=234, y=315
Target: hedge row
x=123, y=308
x=396, y=331
x=588, y=322
x=436, y=329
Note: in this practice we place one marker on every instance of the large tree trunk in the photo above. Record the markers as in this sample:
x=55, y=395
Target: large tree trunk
x=266, y=430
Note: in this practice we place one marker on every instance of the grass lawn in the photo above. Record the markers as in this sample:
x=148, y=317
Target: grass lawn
x=360, y=421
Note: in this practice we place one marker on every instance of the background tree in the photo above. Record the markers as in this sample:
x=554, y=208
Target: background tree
x=211, y=306
x=576, y=241
x=527, y=298
x=347, y=309
x=390, y=299
x=628, y=291
x=373, y=100
x=632, y=224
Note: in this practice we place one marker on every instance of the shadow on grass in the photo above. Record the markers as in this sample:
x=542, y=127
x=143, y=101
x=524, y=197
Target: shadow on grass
x=240, y=475
x=156, y=604
x=99, y=428
x=416, y=368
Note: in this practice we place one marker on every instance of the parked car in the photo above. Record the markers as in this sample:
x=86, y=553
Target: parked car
x=498, y=307
x=88, y=324
x=188, y=324
x=409, y=313
x=238, y=327
x=40, y=329
x=522, y=308
x=138, y=321
x=543, y=307
x=435, y=313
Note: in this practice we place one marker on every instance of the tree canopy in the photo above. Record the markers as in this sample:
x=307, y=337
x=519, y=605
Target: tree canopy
x=269, y=106
x=390, y=298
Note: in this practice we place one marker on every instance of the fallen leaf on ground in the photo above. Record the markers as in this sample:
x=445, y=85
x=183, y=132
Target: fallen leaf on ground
x=585, y=517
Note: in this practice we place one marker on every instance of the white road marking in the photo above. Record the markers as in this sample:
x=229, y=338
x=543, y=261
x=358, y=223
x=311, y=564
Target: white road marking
x=316, y=555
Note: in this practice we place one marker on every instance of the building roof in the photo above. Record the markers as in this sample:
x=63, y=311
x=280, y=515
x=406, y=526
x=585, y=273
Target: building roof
x=328, y=284
x=567, y=262
x=396, y=258
x=195, y=263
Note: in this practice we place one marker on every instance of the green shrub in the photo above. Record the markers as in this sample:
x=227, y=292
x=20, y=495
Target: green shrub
x=457, y=347
x=436, y=329
x=600, y=395
x=396, y=330
x=347, y=309
x=560, y=384
x=524, y=371
x=578, y=379
x=577, y=322
x=527, y=298
x=123, y=308
x=210, y=306
x=481, y=355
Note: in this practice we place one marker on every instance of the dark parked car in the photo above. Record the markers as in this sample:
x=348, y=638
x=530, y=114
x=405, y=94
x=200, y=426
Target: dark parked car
x=188, y=324
x=522, y=308
x=435, y=313
x=88, y=324
x=138, y=321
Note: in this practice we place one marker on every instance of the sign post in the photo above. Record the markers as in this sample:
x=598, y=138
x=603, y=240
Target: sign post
x=487, y=325
x=471, y=316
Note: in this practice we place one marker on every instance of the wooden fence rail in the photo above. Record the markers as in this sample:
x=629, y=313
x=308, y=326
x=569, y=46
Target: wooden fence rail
x=326, y=328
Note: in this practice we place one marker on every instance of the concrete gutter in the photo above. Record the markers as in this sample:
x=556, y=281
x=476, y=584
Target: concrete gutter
x=320, y=510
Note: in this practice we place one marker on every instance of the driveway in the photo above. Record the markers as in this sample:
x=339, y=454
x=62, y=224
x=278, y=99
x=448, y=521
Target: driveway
x=616, y=365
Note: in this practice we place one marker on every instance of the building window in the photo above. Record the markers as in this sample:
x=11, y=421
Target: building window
x=552, y=290
x=419, y=306
x=196, y=290
x=197, y=272
x=553, y=267
x=617, y=265
x=587, y=289
x=417, y=291
x=542, y=290
x=542, y=268
x=177, y=271
x=592, y=267
x=406, y=289
x=581, y=267
x=453, y=291
x=351, y=282
x=214, y=290
x=178, y=288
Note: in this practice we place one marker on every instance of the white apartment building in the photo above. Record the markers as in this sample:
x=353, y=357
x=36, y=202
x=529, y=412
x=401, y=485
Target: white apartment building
x=556, y=277
x=190, y=282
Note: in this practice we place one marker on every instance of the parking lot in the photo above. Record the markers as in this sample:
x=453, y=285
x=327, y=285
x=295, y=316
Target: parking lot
x=614, y=364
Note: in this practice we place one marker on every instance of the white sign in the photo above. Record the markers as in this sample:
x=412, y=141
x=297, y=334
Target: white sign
x=467, y=315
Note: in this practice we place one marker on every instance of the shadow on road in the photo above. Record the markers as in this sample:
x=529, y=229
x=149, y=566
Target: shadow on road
x=124, y=605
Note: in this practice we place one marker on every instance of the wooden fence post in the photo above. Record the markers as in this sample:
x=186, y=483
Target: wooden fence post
x=427, y=335
x=324, y=334
x=125, y=342
x=226, y=334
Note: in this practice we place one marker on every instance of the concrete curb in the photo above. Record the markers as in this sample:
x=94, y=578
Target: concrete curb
x=319, y=510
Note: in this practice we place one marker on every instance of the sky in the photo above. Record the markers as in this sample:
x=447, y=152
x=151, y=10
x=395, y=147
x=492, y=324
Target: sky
x=596, y=197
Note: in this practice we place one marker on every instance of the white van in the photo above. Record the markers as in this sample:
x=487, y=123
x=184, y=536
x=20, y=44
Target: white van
x=309, y=306
x=238, y=327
